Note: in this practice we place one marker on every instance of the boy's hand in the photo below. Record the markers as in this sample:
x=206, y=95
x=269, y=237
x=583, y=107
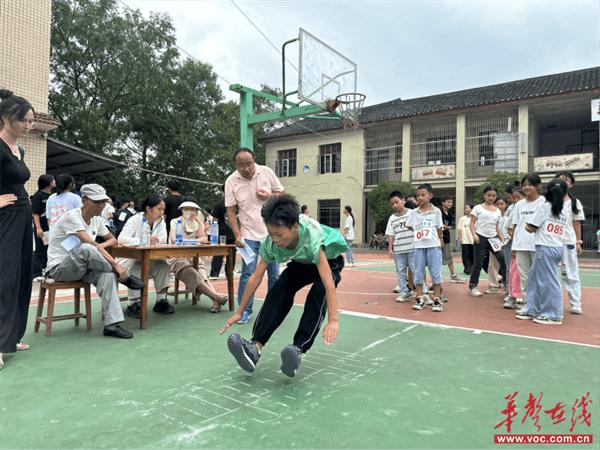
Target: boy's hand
x=391, y=254
x=331, y=331
x=233, y=319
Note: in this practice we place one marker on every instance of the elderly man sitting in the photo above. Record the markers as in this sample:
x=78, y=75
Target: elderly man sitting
x=74, y=254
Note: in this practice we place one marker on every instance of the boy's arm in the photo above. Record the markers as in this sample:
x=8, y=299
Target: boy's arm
x=440, y=232
x=332, y=328
x=391, y=246
x=253, y=284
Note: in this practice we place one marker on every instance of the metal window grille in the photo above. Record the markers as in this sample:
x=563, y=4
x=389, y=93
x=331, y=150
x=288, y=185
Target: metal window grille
x=329, y=212
x=433, y=142
x=383, y=155
x=491, y=143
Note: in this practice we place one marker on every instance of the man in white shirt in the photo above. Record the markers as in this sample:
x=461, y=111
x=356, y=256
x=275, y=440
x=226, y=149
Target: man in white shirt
x=74, y=254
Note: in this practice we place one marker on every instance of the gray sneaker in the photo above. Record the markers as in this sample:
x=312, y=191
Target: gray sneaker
x=397, y=289
x=492, y=290
x=244, y=351
x=402, y=298
x=290, y=359
x=437, y=306
x=428, y=300
x=576, y=310
x=543, y=320
x=454, y=278
x=509, y=303
x=523, y=315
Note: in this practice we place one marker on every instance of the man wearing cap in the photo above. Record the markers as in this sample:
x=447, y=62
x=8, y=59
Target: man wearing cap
x=74, y=254
x=247, y=189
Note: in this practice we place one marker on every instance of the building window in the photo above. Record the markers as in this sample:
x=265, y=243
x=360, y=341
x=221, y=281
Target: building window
x=330, y=158
x=329, y=212
x=441, y=150
x=486, y=148
x=285, y=166
x=398, y=158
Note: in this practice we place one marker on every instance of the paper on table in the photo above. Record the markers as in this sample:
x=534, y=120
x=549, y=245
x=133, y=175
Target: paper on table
x=247, y=254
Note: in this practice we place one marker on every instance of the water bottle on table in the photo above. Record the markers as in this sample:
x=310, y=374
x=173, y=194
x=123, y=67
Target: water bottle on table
x=144, y=233
x=214, y=233
x=179, y=233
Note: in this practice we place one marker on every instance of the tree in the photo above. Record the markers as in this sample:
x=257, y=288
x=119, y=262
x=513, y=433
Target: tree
x=379, y=200
x=499, y=181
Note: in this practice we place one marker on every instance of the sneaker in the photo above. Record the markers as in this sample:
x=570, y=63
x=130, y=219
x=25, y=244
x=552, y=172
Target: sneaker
x=436, y=306
x=402, y=298
x=133, y=310
x=547, y=321
x=397, y=289
x=523, y=315
x=454, y=278
x=520, y=301
x=419, y=304
x=245, y=318
x=163, y=307
x=411, y=294
x=428, y=301
x=443, y=299
x=245, y=352
x=492, y=290
x=576, y=310
x=290, y=359
x=475, y=292
x=509, y=303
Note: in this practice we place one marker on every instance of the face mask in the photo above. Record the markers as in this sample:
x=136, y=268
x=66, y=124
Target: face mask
x=188, y=215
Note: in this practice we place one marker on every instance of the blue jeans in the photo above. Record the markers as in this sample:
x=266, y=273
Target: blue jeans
x=248, y=269
x=428, y=257
x=349, y=255
x=404, y=261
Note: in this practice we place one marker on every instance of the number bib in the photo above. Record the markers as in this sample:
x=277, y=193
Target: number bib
x=421, y=234
x=496, y=244
x=553, y=228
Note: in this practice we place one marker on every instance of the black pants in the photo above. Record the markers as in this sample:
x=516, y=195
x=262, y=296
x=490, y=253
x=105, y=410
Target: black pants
x=217, y=262
x=16, y=252
x=467, y=257
x=40, y=257
x=280, y=299
x=480, y=252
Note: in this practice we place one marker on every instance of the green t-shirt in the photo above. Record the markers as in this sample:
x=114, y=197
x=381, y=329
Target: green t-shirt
x=312, y=236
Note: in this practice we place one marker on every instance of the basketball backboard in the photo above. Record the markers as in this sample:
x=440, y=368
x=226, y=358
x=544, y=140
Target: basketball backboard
x=323, y=73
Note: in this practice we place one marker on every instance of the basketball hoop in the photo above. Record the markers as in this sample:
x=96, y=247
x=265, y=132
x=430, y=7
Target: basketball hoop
x=349, y=106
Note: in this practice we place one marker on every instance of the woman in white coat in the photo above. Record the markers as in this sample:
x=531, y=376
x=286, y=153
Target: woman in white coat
x=151, y=218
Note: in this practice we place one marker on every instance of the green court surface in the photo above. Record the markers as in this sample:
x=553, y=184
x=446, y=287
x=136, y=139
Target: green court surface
x=384, y=384
x=589, y=277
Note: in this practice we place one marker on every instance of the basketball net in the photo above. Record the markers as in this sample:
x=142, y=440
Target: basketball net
x=349, y=106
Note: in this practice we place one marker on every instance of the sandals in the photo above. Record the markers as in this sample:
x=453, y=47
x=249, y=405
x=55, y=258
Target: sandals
x=21, y=346
x=216, y=307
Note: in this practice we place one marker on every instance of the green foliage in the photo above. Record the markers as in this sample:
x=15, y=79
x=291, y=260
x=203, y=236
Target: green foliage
x=379, y=200
x=498, y=180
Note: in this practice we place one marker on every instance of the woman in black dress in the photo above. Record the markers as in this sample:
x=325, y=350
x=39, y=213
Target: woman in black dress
x=16, y=233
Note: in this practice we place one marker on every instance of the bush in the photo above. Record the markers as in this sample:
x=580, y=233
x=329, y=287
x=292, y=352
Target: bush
x=379, y=201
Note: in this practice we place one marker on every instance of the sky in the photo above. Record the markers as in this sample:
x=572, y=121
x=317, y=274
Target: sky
x=403, y=48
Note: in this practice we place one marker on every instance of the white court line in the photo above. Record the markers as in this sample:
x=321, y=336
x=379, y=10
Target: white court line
x=439, y=325
x=244, y=404
x=329, y=360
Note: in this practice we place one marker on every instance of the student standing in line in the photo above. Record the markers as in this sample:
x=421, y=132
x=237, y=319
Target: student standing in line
x=448, y=220
x=465, y=237
x=549, y=225
x=573, y=245
x=485, y=220
x=401, y=244
x=523, y=242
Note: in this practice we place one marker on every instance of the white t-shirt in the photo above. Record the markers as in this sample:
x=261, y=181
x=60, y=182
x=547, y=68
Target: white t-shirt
x=70, y=223
x=464, y=226
x=425, y=227
x=522, y=212
x=349, y=224
x=486, y=221
x=107, y=211
x=403, y=236
x=552, y=231
x=570, y=238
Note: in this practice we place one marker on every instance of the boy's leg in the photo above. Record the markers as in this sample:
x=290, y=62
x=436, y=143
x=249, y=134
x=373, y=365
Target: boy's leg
x=280, y=300
x=315, y=306
x=434, y=262
x=401, y=261
x=419, y=275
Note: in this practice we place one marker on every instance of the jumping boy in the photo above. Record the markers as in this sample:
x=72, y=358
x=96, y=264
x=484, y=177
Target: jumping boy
x=400, y=243
x=314, y=252
x=426, y=223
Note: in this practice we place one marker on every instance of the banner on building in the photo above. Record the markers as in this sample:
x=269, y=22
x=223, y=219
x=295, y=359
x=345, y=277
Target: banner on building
x=583, y=161
x=433, y=172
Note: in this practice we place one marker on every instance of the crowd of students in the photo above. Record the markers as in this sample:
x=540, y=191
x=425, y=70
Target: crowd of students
x=520, y=238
